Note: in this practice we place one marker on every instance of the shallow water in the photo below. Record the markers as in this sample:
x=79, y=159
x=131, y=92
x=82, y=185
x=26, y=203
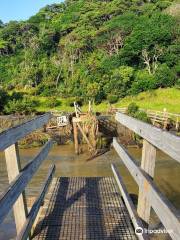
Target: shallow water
x=68, y=164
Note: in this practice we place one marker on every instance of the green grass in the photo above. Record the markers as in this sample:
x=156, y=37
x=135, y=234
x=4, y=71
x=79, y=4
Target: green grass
x=103, y=107
x=156, y=100
x=62, y=106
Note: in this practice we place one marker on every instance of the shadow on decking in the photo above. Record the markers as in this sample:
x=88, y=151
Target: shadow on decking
x=95, y=228
x=90, y=218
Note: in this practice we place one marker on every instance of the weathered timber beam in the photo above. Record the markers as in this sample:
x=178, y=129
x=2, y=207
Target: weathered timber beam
x=76, y=142
x=163, y=140
x=76, y=120
x=85, y=137
x=166, y=212
x=79, y=120
x=9, y=197
x=23, y=235
x=12, y=135
x=129, y=204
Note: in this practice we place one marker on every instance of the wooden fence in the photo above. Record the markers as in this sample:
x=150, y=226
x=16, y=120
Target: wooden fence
x=162, y=117
x=149, y=195
x=14, y=195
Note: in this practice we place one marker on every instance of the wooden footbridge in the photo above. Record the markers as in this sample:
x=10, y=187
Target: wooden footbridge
x=88, y=208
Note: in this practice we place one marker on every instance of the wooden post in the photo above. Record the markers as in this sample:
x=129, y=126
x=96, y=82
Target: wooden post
x=177, y=123
x=148, y=165
x=165, y=116
x=45, y=128
x=85, y=137
x=76, y=144
x=13, y=169
x=90, y=109
x=154, y=119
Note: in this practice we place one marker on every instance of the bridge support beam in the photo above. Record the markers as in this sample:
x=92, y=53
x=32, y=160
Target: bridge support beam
x=76, y=143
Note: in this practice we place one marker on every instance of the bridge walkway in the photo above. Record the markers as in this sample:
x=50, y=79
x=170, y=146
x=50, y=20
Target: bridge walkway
x=88, y=208
x=84, y=208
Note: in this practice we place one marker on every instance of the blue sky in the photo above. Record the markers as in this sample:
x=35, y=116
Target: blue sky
x=21, y=9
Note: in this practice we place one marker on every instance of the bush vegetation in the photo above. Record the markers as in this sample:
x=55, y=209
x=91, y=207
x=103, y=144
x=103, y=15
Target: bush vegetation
x=112, y=98
x=134, y=111
x=52, y=102
x=3, y=99
x=17, y=103
x=98, y=50
x=24, y=106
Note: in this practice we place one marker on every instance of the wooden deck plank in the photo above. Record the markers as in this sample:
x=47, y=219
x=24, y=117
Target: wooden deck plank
x=84, y=208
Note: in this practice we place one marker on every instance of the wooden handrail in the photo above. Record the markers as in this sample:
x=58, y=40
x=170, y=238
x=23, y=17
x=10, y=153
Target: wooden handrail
x=161, y=112
x=129, y=204
x=23, y=235
x=163, y=140
x=166, y=212
x=149, y=195
x=124, y=109
x=9, y=197
x=14, y=195
x=12, y=135
x=162, y=117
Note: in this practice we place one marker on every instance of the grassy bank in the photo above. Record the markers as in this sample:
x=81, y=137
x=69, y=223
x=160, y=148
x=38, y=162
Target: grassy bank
x=156, y=100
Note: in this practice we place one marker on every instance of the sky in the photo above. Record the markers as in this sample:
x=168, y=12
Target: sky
x=21, y=9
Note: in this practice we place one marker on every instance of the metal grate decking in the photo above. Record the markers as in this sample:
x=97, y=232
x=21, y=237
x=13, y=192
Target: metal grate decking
x=84, y=208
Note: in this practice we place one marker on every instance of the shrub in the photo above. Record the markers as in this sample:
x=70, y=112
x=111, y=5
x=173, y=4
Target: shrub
x=70, y=101
x=120, y=81
x=163, y=4
x=52, y=102
x=3, y=99
x=17, y=95
x=46, y=90
x=112, y=98
x=99, y=97
x=141, y=115
x=143, y=82
x=165, y=77
x=178, y=84
x=132, y=109
x=25, y=106
x=10, y=87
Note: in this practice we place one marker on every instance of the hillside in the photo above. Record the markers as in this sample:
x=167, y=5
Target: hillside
x=99, y=50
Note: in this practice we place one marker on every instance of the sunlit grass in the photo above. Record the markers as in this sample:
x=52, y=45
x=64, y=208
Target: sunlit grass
x=156, y=100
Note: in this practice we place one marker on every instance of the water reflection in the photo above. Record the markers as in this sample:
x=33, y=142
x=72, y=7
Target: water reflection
x=167, y=174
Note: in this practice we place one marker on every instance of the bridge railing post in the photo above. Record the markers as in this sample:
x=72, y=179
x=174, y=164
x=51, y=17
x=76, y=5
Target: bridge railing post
x=13, y=169
x=148, y=165
x=177, y=123
x=165, y=117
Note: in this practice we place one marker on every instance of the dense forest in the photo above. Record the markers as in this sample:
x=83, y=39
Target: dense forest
x=98, y=49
